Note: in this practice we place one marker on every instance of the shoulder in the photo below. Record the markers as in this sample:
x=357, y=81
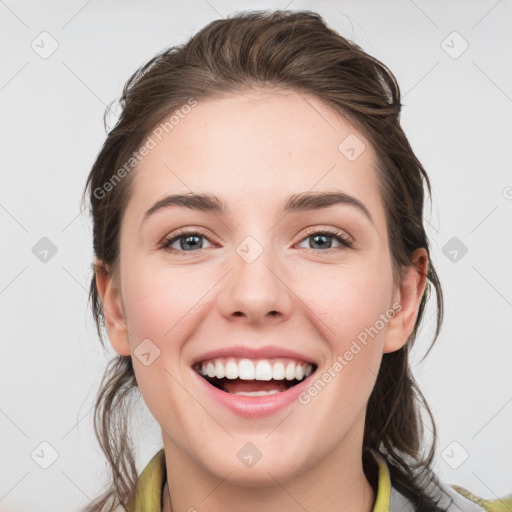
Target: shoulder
x=451, y=498
x=455, y=498
x=392, y=496
x=503, y=504
x=448, y=498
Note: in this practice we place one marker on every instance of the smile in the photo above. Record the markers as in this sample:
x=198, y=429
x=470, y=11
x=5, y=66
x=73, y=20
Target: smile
x=254, y=377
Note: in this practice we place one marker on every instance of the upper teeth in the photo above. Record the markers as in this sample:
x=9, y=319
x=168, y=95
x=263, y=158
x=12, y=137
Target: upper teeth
x=247, y=369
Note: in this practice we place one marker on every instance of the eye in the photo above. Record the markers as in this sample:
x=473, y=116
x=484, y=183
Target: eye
x=321, y=237
x=188, y=241
x=192, y=240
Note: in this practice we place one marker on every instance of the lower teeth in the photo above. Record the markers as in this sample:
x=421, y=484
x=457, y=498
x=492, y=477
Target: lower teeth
x=256, y=393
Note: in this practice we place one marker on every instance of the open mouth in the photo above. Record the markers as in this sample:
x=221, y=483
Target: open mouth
x=254, y=378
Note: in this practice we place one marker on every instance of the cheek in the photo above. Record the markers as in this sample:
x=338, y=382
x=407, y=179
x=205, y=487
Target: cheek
x=350, y=308
x=160, y=303
x=349, y=300
x=160, y=308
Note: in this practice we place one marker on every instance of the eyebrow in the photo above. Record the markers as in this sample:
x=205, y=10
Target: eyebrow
x=303, y=202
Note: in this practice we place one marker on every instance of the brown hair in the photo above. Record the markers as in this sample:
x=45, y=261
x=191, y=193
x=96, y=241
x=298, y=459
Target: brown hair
x=283, y=50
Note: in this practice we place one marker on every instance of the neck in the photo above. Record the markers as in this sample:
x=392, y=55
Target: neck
x=336, y=482
x=364, y=501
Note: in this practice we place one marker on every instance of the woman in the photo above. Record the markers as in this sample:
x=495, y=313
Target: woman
x=262, y=270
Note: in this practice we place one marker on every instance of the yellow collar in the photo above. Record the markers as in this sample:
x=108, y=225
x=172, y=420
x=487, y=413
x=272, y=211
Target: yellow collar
x=150, y=484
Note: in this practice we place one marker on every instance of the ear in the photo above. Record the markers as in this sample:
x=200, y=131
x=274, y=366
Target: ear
x=110, y=294
x=409, y=294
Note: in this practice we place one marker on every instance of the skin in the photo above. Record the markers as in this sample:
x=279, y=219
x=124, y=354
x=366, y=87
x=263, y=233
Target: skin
x=254, y=150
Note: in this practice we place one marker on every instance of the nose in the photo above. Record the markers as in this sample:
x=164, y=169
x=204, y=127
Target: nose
x=256, y=291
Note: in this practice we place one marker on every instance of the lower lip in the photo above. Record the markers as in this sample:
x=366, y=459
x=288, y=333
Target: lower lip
x=254, y=406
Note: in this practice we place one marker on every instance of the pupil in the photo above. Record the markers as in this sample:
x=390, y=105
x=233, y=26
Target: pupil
x=187, y=243
x=316, y=237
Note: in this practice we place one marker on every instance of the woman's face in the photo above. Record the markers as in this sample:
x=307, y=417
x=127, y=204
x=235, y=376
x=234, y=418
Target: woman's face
x=263, y=280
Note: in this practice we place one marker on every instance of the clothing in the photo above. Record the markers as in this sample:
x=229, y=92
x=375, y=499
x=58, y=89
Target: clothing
x=150, y=485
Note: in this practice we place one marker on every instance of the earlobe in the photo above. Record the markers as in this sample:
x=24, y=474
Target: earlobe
x=409, y=294
x=115, y=321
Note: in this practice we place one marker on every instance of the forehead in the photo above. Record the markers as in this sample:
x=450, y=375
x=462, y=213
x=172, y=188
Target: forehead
x=254, y=148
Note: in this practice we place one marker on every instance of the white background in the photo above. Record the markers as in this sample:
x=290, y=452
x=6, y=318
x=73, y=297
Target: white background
x=457, y=115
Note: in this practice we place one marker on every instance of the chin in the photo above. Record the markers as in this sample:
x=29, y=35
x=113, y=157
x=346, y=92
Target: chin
x=266, y=472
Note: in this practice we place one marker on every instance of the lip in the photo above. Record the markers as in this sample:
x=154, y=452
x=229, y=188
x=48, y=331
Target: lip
x=254, y=406
x=250, y=352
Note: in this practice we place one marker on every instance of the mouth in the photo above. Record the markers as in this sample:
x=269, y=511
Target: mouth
x=248, y=377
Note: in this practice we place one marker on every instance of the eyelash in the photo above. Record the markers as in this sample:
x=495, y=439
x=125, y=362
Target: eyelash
x=345, y=241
